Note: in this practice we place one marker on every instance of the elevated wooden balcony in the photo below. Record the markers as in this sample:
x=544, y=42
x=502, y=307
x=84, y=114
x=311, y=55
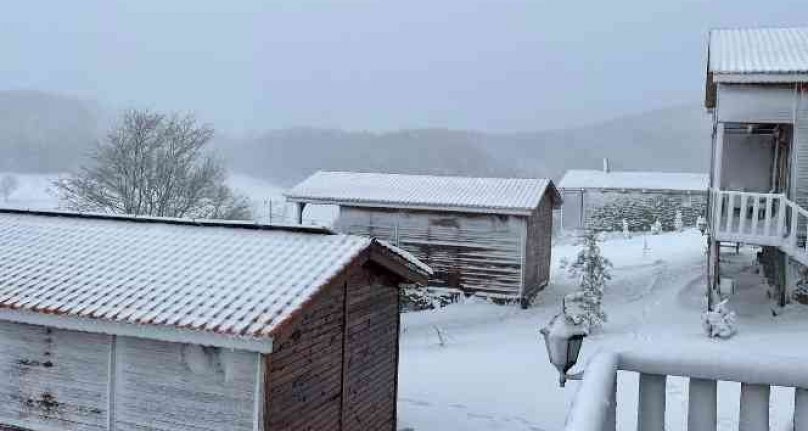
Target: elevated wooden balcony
x=766, y=219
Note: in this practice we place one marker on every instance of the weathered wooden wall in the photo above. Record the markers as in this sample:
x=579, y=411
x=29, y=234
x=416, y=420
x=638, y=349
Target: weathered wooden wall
x=538, y=249
x=304, y=371
x=60, y=380
x=165, y=386
x=371, y=352
x=53, y=379
x=473, y=252
x=337, y=370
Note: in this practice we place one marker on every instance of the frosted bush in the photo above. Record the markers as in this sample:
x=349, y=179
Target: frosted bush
x=656, y=228
x=678, y=224
x=719, y=323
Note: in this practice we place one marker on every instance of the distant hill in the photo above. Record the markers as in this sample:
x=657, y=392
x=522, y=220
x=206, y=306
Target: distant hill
x=44, y=132
x=673, y=139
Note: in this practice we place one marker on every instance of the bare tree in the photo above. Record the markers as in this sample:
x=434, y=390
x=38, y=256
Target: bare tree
x=154, y=164
x=8, y=184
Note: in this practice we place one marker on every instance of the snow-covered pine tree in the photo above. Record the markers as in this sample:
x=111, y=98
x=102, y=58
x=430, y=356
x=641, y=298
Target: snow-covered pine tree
x=592, y=271
x=678, y=224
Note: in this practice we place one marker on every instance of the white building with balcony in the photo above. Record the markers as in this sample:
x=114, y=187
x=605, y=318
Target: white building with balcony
x=756, y=90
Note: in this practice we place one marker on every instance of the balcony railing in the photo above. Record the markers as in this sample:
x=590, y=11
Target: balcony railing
x=595, y=405
x=768, y=219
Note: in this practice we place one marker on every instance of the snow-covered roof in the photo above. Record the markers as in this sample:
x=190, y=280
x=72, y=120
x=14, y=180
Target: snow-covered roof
x=628, y=180
x=462, y=194
x=227, y=280
x=759, y=55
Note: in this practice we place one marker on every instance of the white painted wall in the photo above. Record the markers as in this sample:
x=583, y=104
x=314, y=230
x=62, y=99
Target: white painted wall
x=61, y=380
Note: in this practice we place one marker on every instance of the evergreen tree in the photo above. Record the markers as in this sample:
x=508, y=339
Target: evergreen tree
x=592, y=271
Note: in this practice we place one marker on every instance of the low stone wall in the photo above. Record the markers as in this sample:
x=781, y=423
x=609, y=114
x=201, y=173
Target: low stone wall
x=605, y=209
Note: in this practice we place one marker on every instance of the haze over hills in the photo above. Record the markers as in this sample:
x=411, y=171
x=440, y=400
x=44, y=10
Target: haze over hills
x=673, y=139
x=41, y=132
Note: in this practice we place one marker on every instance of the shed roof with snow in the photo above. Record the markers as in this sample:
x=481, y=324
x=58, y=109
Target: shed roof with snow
x=629, y=180
x=517, y=196
x=219, y=283
x=756, y=55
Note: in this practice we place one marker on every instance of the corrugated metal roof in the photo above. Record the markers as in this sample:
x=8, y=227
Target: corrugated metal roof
x=585, y=179
x=759, y=50
x=216, y=279
x=491, y=195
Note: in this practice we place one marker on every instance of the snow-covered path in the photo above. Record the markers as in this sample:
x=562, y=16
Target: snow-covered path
x=492, y=373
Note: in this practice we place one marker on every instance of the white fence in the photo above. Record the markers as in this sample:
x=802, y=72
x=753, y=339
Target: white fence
x=760, y=218
x=595, y=404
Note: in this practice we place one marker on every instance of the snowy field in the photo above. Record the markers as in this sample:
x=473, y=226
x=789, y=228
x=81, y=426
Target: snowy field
x=35, y=192
x=492, y=372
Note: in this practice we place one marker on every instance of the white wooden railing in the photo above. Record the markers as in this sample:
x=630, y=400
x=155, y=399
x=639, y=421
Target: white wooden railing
x=762, y=219
x=595, y=405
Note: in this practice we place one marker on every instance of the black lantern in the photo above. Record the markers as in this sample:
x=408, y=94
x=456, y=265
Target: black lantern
x=563, y=341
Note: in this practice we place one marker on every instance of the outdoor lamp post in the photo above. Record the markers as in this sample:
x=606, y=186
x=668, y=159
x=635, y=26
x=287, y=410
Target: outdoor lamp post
x=563, y=340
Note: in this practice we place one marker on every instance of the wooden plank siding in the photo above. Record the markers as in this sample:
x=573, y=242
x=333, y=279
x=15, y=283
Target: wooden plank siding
x=371, y=352
x=472, y=252
x=171, y=386
x=538, y=248
x=337, y=370
x=63, y=380
x=304, y=372
x=53, y=379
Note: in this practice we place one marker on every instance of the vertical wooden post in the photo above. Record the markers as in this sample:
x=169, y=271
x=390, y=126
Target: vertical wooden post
x=800, y=409
x=300, y=207
x=768, y=214
x=702, y=408
x=730, y=211
x=754, y=414
x=651, y=411
x=781, y=217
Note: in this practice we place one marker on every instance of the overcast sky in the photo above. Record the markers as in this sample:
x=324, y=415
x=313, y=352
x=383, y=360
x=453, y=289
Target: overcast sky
x=487, y=65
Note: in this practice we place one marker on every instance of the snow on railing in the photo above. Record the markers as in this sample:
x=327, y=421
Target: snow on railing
x=594, y=406
x=760, y=218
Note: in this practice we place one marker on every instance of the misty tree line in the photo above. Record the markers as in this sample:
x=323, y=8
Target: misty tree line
x=154, y=164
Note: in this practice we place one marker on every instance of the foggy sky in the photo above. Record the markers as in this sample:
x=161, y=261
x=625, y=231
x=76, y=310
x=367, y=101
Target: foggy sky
x=486, y=65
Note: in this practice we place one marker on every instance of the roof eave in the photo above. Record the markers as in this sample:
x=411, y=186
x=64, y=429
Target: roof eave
x=759, y=77
x=392, y=205
x=152, y=332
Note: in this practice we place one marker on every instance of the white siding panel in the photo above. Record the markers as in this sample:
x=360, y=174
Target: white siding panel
x=53, y=379
x=755, y=103
x=801, y=152
x=172, y=386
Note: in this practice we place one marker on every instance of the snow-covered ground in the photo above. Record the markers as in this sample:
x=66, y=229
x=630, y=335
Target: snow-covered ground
x=492, y=372
x=36, y=192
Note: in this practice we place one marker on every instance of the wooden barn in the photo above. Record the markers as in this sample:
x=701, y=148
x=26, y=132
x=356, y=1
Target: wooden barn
x=132, y=323
x=489, y=236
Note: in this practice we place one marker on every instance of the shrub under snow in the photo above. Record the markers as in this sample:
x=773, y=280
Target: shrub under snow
x=719, y=323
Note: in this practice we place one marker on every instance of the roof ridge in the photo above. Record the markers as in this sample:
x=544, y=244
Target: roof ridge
x=234, y=224
x=433, y=175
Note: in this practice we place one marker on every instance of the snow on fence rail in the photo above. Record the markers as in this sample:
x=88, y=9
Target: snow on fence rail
x=595, y=404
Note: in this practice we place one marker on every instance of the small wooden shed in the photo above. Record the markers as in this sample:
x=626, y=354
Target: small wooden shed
x=132, y=323
x=490, y=236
